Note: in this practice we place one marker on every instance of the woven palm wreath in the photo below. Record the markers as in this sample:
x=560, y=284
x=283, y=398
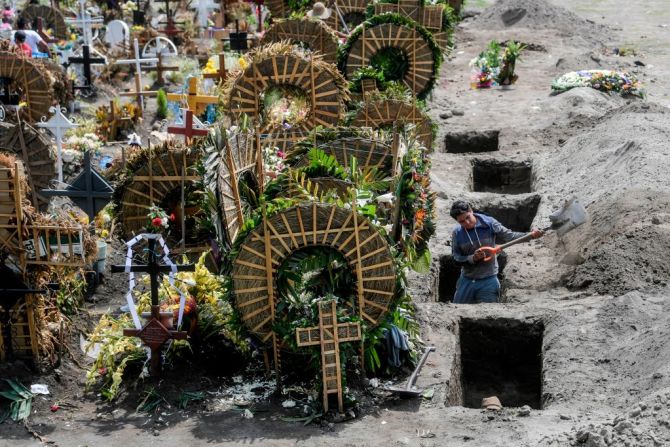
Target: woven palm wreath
x=52, y=19
x=394, y=31
x=384, y=113
x=369, y=152
x=366, y=251
x=314, y=34
x=31, y=79
x=238, y=159
x=279, y=65
x=150, y=177
x=352, y=11
x=38, y=158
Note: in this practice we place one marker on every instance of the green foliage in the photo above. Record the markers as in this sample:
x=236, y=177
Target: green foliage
x=366, y=73
x=392, y=62
x=151, y=402
x=70, y=294
x=161, y=104
x=20, y=401
x=187, y=397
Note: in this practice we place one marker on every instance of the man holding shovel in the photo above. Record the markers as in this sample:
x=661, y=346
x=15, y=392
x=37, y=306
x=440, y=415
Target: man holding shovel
x=478, y=282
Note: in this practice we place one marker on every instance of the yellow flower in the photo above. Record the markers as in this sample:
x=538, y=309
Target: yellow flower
x=243, y=63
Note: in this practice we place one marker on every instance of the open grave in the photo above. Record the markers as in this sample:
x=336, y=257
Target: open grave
x=517, y=214
x=472, y=141
x=502, y=176
x=499, y=357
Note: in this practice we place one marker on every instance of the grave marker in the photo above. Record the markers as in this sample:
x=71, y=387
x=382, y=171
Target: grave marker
x=139, y=93
x=193, y=98
x=57, y=125
x=192, y=127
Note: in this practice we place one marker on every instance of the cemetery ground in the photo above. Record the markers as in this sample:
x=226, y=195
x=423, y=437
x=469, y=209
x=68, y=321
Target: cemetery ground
x=585, y=324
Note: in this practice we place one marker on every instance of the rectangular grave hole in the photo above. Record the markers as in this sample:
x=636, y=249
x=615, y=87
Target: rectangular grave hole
x=502, y=177
x=450, y=271
x=515, y=214
x=472, y=141
x=501, y=357
x=447, y=278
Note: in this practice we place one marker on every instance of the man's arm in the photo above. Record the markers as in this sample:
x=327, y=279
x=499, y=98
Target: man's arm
x=456, y=253
x=504, y=234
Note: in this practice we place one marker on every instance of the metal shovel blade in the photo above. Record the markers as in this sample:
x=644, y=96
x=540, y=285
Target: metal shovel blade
x=569, y=217
x=408, y=391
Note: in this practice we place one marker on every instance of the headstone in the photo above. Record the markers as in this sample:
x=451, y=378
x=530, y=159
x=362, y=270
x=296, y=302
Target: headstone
x=117, y=35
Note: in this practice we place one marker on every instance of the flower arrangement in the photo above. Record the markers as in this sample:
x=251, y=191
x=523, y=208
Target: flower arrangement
x=273, y=161
x=284, y=107
x=496, y=65
x=604, y=80
x=158, y=220
x=76, y=145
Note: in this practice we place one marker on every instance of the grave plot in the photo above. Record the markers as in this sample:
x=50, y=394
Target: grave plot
x=516, y=213
x=502, y=176
x=466, y=142
x=499, y=357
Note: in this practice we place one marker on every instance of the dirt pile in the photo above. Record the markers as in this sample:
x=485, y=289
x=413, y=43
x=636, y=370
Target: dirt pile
x=539, y=15
x=617, y=169
x=646, y=424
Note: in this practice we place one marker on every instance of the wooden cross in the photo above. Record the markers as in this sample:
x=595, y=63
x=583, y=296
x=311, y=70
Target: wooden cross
x=221, y=74
x=84, y=22
x=57, y=125
x=159, y=68
x=154, y=334
x=204, y=7
x=193, y=98
x=188, y=130
x=329, y=334
x=89, y=190
x=170, y=29
x=115, y=118
x=40, y=30
x=138, y=61
x=86, y=60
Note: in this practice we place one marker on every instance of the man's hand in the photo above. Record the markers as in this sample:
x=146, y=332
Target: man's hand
x=478, y=255
x=537, y=233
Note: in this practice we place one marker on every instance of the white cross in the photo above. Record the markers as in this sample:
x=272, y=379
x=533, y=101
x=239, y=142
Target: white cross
x=138, y=61
x=204, y=7
x=57, y=125
x=84, y=21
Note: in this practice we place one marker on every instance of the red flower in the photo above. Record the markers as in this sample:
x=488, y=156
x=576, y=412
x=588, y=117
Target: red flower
x=172, y=218
x=156, y=221
x=55, y=407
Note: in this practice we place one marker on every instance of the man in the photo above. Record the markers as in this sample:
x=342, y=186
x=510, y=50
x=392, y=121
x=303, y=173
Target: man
x=20, y=41
x=32, y=37
x=478, y=282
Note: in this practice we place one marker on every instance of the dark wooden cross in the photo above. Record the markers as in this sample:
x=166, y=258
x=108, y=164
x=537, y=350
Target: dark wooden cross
x=170, y=29
x=221, y=74
x=89, y=190
x=86, y=60
x=328, y=335
x=160, y=68
x=187, y=130
x=40, y=30
x=154, y=334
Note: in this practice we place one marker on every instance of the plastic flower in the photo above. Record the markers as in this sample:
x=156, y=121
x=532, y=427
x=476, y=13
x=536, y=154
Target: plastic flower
x=157, y=221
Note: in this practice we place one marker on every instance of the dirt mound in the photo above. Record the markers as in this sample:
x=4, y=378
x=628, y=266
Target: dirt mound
x=539, y=15
x=646, y=424
x=617, y=170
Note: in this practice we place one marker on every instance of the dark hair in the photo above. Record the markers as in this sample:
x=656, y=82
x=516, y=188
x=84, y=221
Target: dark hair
x=459, y=207
x=21, y=23
x=19, y=36
x=5, y=20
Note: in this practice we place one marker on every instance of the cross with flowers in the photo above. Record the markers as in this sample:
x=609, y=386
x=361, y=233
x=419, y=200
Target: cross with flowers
x=193, y=98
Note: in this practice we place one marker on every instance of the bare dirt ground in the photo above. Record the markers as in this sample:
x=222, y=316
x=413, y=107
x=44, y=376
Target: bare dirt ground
x=597, y=375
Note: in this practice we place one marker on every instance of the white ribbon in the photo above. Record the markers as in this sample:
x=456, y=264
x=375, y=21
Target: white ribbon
x=132, y=282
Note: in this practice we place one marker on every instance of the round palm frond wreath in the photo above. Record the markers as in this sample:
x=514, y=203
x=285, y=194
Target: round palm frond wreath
x=385, y=113
x=402, y=48
x=52, y=19
x=352, y=11
x=280, y=67
x=279, y=236
x=313, y=34
x=38, y=159
x=29, y=81
x=368, y=152
x=153, y=176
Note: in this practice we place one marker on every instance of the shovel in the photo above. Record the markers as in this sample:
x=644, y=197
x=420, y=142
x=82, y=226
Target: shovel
x=569, y=217
x=408, y=391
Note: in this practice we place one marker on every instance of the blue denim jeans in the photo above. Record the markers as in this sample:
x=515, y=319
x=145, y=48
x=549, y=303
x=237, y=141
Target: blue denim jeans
x=473, y=291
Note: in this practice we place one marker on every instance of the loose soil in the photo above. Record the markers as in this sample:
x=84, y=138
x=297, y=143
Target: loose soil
x=600, y=294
